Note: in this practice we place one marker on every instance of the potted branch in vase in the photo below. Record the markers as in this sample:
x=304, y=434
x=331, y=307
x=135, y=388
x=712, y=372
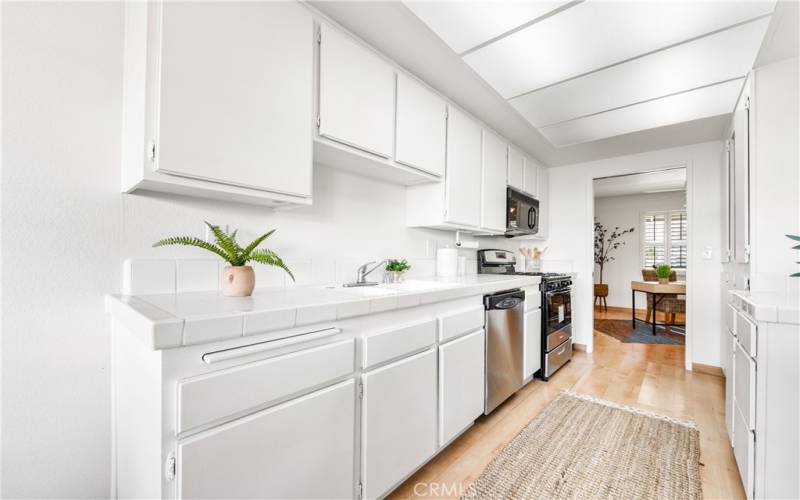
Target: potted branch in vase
x=604, y=245
x=238, y=279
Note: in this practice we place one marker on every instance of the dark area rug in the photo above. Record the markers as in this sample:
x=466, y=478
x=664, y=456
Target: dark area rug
x=621, y=330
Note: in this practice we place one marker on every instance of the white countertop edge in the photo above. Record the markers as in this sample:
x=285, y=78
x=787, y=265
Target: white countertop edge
x=770, y=307
x=162, y=329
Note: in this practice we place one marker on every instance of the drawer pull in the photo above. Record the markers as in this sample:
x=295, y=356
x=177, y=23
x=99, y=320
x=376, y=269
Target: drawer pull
x=246, y=350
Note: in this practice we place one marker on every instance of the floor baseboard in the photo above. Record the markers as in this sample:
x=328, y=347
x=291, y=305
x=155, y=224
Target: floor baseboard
x=708, y=369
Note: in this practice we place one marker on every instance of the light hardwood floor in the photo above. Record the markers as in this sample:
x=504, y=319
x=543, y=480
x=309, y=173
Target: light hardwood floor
x=649, y=376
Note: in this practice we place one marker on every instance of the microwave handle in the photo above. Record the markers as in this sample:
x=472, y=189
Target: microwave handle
x=530, y=217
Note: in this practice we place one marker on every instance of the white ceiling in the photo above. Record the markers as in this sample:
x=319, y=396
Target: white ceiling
x=586, y=71
x=652, y=182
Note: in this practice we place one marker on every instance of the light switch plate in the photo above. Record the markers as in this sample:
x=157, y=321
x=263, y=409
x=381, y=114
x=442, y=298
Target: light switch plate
x=707, y=252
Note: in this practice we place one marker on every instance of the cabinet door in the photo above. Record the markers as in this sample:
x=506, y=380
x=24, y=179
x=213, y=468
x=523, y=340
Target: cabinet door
x=398, y=421
x=516, y=168
x=726, y=197
x=741, y=181
x=730, y=374
x=530, y=178
x=235, y=104
x=744, y=451
x=461, y=371
x=744, y=386
x=463, y=177
x=493, y=199
x=356, y=94
x=533, y=342
x=421, y=126
x=273, y=453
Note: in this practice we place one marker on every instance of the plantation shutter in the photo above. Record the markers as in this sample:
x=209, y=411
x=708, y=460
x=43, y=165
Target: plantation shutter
x=677, y=240
x=654, y=238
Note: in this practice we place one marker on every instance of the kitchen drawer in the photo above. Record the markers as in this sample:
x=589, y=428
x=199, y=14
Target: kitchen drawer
x=391, y=344
x=747, y=333
x=533, y=298
x=744, y=386
x=730, y=318
x=557, y=358
x=216, y=395
x=744, y=450
x=557, y=338
x=460, y=323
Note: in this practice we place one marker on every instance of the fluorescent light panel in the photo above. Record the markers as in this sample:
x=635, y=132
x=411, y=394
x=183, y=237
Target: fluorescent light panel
x=594, y=34
x=708, y=101
x=725, y=55
x=464, y=25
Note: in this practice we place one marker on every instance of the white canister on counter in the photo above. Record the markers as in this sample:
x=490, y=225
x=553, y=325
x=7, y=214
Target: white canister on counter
x=447, y=262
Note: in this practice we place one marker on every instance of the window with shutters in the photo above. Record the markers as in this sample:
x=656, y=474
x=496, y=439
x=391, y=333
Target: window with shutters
x=664, y=239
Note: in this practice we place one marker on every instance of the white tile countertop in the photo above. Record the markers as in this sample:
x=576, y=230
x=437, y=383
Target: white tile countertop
x=771, y=307
x=177, y=319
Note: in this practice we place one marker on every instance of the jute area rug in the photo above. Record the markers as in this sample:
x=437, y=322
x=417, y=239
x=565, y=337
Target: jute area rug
x=581, y=447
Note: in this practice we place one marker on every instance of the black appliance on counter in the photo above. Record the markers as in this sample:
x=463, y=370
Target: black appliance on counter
x=556, y=307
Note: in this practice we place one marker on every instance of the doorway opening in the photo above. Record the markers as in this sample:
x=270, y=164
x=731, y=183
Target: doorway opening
x=641, y=257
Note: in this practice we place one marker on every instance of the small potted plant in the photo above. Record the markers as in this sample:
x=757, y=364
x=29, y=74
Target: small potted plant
x=238, y=279
x=395, y=269
x=663, y=271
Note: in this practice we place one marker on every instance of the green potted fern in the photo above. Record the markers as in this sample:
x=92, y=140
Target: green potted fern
x=663, y=271
x=395, y=269
x=238, y=279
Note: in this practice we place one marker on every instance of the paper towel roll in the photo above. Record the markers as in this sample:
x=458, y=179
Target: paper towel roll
x=447, y=262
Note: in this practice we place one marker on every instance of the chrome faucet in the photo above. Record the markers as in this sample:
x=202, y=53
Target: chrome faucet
x=361, y=277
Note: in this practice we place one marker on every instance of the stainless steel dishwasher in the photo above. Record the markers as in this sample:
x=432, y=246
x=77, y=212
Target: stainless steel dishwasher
x=504, y=346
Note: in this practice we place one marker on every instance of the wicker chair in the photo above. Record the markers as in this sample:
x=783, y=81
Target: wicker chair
x=670, y=305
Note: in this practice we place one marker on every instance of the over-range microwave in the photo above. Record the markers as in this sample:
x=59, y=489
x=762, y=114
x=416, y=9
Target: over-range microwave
x=522, y=213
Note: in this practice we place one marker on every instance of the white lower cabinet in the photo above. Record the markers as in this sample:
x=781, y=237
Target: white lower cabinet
x=399, y=421
x=315, y=438
x=730, y=376
x=744, y=451
x=461, y=384
x=533, y=342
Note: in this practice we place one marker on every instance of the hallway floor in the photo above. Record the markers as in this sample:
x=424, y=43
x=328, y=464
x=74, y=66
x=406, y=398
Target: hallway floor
x=647, y=376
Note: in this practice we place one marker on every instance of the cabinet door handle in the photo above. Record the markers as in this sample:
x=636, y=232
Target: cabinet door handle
x=246, y=350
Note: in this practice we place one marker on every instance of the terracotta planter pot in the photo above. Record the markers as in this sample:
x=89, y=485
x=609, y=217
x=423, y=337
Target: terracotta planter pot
x=663, y=281
x=601, y=290
x=238, y=281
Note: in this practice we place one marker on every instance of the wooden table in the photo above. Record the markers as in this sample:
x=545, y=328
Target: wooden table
x=658, y=291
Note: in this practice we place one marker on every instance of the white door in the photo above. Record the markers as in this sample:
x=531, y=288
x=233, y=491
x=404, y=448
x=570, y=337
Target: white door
x=461, y=384
x=356, y=94
x=301, y=449
x=516, y=168
x=235, y=103
x=533, y=342
x=421, y=127
x=463, y=177
x=741, y=181
x=531, y=178
x=493, y=198
x=398, y=421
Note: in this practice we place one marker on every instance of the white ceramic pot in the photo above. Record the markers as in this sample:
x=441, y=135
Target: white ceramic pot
x=394, y=276
x=238, y=281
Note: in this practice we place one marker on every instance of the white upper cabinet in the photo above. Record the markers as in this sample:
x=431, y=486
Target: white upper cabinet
x=516, y=168
x=530, y=178
x=493, y=199
x=463, y=177
x=223, y=115
x=356, y=94
x=740, y=147
x=421, y=127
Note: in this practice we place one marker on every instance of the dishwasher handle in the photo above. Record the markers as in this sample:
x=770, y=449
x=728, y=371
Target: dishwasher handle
x=504, y=300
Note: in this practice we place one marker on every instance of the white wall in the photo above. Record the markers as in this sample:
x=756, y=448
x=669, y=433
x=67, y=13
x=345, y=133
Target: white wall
x=626, y=212
x=66, y=231
x=571, y=239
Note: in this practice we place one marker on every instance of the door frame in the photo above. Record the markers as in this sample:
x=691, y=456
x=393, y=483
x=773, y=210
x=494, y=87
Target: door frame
x=691, y=263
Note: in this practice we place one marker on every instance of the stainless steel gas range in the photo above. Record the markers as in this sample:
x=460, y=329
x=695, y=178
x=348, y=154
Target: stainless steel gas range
x=556, y=308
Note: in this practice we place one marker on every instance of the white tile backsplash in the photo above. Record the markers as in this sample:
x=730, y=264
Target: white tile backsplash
x=195, y=275
x=148, y=276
